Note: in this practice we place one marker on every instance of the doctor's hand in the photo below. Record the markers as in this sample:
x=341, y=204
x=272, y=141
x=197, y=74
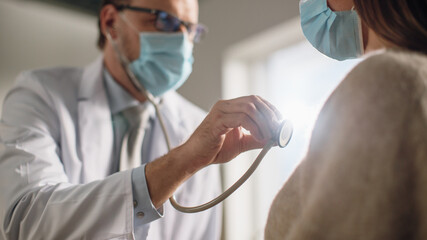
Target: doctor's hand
x=220, y=137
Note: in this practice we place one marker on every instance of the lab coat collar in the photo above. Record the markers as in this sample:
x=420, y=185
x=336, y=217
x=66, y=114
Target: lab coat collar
x=96, y=132
x=169, y=106
x=176, y=123
x=92, y=74
x=119, y=99
x=175, y=116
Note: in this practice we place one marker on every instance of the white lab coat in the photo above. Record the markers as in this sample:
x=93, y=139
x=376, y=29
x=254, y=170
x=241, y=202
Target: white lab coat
x=56, y=142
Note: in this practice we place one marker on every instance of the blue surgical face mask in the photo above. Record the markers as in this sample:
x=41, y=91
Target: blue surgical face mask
x=165, y=60
x=336, y=34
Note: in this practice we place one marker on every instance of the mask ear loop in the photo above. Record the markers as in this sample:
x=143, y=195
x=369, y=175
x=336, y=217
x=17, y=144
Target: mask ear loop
x=125, y=19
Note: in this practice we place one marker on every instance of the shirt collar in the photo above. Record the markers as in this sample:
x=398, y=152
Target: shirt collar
x=118, y=97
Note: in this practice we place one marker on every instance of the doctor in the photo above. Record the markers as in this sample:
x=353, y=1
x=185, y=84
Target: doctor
x=67, y=159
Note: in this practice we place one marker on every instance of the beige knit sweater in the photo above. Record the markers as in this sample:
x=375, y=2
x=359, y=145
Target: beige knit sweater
x=365, y=174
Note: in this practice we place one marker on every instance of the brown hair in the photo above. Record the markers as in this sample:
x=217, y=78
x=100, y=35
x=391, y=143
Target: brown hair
x=101, y=36
x=400, y=22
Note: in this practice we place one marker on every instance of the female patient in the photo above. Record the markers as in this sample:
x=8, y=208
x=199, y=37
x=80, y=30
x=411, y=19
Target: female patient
x=365, y=173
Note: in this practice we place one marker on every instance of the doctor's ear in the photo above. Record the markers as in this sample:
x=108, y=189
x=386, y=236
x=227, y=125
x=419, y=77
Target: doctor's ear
x=111, y=31
x=110, y=34
x=108, y=19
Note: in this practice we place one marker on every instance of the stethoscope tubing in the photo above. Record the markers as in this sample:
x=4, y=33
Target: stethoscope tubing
x=151, y=99
x=230, y=190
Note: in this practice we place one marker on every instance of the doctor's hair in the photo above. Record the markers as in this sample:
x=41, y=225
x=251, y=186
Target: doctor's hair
x=400, y=22
x=101, y=37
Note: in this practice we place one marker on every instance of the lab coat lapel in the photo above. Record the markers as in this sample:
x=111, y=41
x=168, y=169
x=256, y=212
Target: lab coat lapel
x=174, y=123
x=95, y=127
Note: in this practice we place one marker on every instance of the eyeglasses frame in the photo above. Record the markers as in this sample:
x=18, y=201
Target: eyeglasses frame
x=187, y=25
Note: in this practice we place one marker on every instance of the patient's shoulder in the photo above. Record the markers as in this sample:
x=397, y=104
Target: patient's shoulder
x=397, y=60
x=392, y=70
x=391, y=76
x=377, y=96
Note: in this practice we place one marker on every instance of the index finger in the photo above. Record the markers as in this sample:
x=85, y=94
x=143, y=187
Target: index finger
x=278, y=114
x=268, y=114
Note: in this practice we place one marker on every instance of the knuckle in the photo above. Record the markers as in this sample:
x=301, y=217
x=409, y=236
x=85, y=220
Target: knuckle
x=214, y=115
x=219, y=103
x=253, y=98
x=250, y=108
x=218, y=106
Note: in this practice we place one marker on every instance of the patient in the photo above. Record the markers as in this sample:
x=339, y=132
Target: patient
x=365, y=173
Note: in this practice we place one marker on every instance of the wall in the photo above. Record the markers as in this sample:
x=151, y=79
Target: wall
x=247, y=70
x=229, y=22
x=37, y=35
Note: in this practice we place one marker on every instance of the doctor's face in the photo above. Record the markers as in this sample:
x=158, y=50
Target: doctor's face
x=137, y=21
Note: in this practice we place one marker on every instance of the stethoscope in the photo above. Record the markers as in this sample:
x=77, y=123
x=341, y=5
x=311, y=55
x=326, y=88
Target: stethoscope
x=281, y=138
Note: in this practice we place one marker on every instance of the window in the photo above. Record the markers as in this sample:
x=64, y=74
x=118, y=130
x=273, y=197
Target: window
x=297, y=79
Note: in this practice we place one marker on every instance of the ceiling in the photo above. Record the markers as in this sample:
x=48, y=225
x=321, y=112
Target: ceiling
x=86, y=6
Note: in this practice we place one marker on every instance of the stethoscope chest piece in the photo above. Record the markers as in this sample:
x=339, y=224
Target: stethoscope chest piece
x=285, y=134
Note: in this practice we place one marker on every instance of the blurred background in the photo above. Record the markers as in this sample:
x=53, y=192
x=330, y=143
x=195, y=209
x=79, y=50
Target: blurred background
x=253, y=47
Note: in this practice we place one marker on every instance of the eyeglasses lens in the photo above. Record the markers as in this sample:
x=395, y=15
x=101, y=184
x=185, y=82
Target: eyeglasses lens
x=169, y=23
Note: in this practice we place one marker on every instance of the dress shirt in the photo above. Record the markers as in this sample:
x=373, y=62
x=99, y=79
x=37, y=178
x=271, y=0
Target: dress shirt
x=119, y=100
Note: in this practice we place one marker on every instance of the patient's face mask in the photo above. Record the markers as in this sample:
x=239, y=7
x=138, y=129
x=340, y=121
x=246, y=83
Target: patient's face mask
x=165, y=60
x=336, y=34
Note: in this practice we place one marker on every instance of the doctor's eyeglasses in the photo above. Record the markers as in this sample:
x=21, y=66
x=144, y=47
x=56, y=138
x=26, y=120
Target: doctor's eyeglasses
x=166, y=22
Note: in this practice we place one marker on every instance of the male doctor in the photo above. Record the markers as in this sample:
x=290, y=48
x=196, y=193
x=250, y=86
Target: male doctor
x=68, y=136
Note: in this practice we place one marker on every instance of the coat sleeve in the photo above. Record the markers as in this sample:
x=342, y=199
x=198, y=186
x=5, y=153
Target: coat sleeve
x=37, y=201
